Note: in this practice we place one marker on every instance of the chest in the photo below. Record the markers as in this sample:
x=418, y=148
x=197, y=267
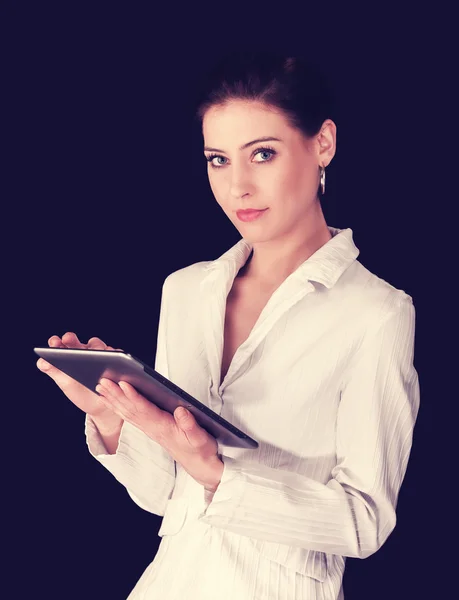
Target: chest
x=289, y=370
x=244, y=305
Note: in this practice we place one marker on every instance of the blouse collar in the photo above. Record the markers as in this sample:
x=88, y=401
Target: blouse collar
x=324, y=266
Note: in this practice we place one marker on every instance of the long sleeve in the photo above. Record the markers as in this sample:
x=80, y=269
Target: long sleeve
x=352, y=514
x=140, y=464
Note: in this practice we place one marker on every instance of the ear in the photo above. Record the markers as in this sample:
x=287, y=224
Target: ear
x=326, y=143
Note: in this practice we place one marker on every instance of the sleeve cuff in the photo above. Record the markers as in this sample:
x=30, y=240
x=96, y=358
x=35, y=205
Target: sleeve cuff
x=95, y=442
x=228, y=495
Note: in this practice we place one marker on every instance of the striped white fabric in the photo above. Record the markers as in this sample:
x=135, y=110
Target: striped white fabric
x=326, y=383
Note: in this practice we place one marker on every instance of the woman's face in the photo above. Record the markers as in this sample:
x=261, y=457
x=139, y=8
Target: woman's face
x=281, y=176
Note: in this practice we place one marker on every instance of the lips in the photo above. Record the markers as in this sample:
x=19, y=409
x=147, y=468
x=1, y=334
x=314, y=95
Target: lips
x=249, y=214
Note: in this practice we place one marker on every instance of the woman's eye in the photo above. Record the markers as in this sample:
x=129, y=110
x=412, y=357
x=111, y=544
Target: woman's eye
x=264, y=152
x=261, y=151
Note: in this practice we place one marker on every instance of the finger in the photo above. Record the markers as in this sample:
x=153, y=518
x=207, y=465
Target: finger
x=130, y=391
x=132, y=406
x=71, y=340
x=114, y=398
x=124, y=394
x=56, y=342
x=96, y=343
x=196, y=435
x=114, y=349
x=112, y=391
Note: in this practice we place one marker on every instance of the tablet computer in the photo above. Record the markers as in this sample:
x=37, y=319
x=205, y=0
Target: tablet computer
x=89, y=366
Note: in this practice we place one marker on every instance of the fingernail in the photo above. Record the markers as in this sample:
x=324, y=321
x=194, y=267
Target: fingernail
x=182, y=413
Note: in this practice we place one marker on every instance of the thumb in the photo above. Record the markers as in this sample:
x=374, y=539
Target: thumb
x=45, y=366
x=187, y=423
x=56, y=374
x=184, y=418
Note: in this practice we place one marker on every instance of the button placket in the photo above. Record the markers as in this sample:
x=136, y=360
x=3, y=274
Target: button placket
x=281, y=301
x=215, y=291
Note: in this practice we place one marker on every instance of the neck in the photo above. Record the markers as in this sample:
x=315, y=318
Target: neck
x=273, y=261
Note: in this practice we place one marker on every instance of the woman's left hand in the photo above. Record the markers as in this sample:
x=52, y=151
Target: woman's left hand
x=181, y=436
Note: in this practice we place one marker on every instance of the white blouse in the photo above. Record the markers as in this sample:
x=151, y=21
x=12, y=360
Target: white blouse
x=326, y=384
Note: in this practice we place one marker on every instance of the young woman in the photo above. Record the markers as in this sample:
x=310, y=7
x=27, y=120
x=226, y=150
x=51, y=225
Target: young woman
x=287, y=336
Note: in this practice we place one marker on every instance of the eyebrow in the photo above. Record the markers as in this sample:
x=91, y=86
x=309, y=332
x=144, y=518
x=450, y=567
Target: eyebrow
x=244, y=146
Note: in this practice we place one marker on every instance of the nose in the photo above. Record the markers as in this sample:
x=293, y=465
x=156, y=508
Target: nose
x=240, y=182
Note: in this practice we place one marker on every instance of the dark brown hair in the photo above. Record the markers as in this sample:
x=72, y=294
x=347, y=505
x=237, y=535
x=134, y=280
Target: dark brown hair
x=291, y=84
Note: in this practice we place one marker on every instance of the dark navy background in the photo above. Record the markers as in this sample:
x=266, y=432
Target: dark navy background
x=108, y=193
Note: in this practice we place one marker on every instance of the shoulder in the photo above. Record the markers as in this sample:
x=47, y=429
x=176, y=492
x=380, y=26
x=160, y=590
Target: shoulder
x=188, y=277
x=375, y=298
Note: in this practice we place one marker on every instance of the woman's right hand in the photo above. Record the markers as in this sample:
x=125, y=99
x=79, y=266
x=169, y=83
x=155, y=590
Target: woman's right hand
x=87, y=401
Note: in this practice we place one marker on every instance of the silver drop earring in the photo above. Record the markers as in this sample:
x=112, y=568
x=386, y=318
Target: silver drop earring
x=322, y=180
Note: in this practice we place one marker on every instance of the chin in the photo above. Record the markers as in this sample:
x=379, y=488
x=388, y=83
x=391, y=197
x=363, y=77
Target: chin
x=254, y=232
x=255, y=237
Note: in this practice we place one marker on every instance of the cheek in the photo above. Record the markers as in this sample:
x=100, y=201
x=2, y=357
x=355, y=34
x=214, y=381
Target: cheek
x=290, y=191
x=217, y=185
x=295, y=176
x=282, y=188
x=298, y=183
